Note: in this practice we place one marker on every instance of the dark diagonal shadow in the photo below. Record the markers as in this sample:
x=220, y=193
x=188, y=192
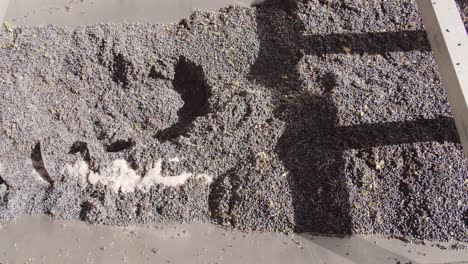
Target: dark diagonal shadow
x=311, y=147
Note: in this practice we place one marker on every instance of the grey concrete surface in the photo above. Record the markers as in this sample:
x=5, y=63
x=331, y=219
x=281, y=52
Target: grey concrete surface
x=3, y=8
x=34, y=239
x=82, y=12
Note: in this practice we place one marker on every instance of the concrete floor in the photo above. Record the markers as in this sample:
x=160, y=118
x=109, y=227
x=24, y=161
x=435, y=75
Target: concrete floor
x=82, y=12
x=42, y=240
x=34, y=239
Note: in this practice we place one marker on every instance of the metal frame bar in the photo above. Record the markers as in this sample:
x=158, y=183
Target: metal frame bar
x=449, y=43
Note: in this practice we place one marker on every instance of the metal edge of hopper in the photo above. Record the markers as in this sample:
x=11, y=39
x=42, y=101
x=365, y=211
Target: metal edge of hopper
x=449, y=43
